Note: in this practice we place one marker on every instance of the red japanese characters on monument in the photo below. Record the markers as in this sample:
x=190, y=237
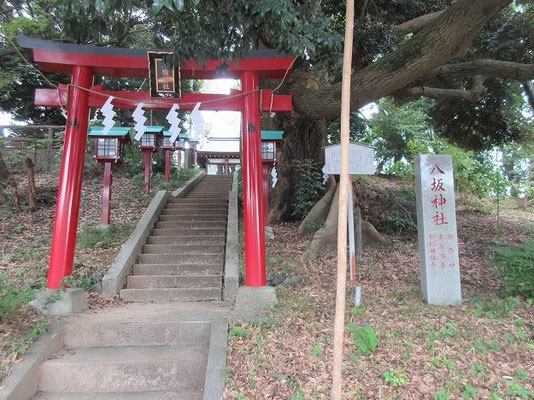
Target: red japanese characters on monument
x=436, y=224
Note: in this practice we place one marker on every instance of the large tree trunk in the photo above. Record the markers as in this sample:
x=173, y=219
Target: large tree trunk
x=303, y=139
x=326, y=237
x=319, y=212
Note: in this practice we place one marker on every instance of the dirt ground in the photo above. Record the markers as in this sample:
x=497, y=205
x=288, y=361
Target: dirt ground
x=483, y=349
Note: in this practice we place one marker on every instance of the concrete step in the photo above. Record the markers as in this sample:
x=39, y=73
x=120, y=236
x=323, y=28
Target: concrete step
x=190, y=224
x=172, y=281
x=180, y=259
x=197, y=232
x=196, y=206
x=195, y=211
x=121, y=333
x=184, y=239
x=177, y=269
x=172, y=294
x=179, y=249
x=185, y=200
x=194, y=218
x=182, y=395
x=124, y=369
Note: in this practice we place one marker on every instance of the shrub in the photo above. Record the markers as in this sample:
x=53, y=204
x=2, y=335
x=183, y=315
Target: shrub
x=515, y=265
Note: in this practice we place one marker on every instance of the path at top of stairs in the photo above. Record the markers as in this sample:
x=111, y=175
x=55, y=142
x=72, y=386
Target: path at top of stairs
x=183, y=259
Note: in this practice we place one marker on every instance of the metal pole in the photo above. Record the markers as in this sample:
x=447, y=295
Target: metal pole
x=167, y=165
x=148, y=169
x=339, y=320
x=255, y=274
x=70, y=180
x=106, y=195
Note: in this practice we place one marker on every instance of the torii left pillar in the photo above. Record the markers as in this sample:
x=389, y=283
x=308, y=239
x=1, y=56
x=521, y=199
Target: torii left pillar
x=255, y=273
x=70, y=179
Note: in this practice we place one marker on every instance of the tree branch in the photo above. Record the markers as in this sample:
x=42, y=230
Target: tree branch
x=472, y=95
x=417, y=24
x=448, y=37
x=490, y=68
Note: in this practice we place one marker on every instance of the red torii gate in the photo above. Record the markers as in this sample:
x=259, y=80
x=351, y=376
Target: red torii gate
x=83, y=63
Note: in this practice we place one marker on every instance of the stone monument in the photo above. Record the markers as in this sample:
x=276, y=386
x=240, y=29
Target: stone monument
x=436, y=226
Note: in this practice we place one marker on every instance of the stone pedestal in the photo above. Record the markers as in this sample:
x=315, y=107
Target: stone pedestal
x=254, y=302
x=60, y=302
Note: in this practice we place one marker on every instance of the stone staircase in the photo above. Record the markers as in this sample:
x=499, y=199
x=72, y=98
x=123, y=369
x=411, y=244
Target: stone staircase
x=138, y=351
x=183, y=259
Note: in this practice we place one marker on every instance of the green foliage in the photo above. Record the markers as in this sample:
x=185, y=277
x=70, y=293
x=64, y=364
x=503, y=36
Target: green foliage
x=239, y=332
x=469, y=392
x=364, y=338
x=12, y=298
x=516, y=390
x=495, y=307
x=394, y=379
x=515, y=265
x=309, y=188
x=441, y=395
x=317, y=351
x=22, y=345
x=97, y=237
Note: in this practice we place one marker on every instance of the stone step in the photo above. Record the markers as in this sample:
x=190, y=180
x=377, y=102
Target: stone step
x=177, y=269
x=190, y=224
x=196, y=206
x=186, y=200
x=195, y=211
x=172, y=294
x=184, y=239
x=194, y=218
x=179, y=249
x=180, y=259
x=182, y=395
x=121, y=333
x=124, y=368
x=178, y=231
x=172, y=281
x=193, y=208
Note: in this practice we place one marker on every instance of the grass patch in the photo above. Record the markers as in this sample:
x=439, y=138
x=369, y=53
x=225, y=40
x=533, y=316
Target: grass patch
x=92, y=236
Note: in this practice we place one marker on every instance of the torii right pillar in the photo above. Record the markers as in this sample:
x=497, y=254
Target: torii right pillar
x=255, y=273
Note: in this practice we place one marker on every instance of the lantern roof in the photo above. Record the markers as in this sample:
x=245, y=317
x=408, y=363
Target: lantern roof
x=181, y=136
x=272, y=135
x=154, y=129
x=115, y=132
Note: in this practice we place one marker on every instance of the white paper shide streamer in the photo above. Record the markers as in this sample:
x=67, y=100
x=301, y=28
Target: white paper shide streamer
x=140, y=120
x=174, y=120
x=198, y=123
x=109, y=114
x=325, y=174
x=274, y=176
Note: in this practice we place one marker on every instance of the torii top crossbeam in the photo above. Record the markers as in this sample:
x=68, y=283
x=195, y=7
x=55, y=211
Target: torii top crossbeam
x=119, y=62
x=83, y=63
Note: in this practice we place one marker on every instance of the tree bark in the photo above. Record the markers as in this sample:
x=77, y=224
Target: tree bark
x=319, y=212
x=303, y=139
x=32, y=189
